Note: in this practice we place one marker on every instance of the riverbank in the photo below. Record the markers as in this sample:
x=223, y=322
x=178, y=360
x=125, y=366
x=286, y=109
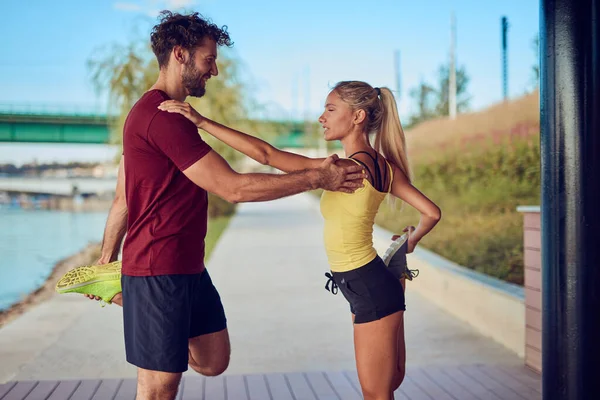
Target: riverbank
x=86, y=256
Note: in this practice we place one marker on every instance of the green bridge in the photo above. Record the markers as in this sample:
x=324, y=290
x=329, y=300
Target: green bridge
x=52, y=125
x=22, y=125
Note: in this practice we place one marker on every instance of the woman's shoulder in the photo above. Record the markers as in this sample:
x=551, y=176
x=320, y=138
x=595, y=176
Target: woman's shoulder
x=345, y=162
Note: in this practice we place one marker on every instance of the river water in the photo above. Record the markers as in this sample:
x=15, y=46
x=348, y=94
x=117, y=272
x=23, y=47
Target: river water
x=33, y=241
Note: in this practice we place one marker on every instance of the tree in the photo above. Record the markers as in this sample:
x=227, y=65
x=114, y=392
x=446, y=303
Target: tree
x=462, y=97
x=432, y=102
x=535, y=68
x=424, y=97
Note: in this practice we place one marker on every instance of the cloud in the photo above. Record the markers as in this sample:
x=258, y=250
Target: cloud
x=152, y=7
x=128, y=7
x=179, y=3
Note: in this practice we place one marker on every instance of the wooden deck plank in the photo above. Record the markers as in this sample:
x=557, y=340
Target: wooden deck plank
x=279, y=387
x=430, y=386
x=236, y=387
x=501, y=376
x=299, y=387
x=6, y=387
x=127, y=390
x=214, y=388
x=320, y=386
x=193, y=388
x=413, y=390
x=108, y=389
x=85, y=390
x=20, y=390
x=531, y=373
x=526, y=376
x=454, y=389
x=257, y=387
x=494, y=386
x=64, y=390
x=42, y=390
x=401, y=394
x=469, y=384
x=352, y=377
x=342, y=386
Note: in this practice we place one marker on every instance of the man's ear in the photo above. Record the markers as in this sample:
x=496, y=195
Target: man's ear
x=359, y=116
x=180, y=54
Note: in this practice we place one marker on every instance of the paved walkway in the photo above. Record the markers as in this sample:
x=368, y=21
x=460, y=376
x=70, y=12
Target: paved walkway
x=268, y=267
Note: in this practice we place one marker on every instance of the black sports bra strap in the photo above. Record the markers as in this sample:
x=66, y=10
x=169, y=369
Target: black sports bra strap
x=378, y=173
x=364, y=165
x=360, y=152
x=377, y=177
x=384, y=174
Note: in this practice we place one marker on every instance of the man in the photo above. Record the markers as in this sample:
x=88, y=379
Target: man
x=172, y=313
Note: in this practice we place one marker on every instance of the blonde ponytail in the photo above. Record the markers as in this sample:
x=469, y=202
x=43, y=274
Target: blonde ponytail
x=389, y=137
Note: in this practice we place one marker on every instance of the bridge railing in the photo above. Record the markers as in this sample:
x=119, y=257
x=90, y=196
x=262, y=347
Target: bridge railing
x=37, y=109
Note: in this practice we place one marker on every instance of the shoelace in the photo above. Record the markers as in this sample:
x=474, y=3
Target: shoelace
x=410, y=274
x=334, y=286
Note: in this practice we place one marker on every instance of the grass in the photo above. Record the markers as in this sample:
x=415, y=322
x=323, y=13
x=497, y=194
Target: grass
x=216, y=226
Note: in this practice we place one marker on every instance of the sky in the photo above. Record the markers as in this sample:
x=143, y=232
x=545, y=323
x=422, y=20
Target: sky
x=292, y=52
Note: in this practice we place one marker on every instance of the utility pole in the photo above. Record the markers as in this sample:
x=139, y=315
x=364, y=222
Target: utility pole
x=504, y=58
x=452, y=75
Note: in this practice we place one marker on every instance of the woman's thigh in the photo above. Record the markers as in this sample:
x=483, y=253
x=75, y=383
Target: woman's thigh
x=376, y=349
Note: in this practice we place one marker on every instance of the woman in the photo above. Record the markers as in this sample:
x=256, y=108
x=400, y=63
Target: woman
x=354, y=110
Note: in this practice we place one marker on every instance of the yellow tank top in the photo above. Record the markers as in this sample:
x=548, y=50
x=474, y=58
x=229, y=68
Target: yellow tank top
x=349, y=220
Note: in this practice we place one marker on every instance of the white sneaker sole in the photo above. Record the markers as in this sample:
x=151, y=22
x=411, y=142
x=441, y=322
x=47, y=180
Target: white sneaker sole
x=393, y=249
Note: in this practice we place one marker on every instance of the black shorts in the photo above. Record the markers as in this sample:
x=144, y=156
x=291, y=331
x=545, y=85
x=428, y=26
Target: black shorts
x=161, y=313
x=372, y=291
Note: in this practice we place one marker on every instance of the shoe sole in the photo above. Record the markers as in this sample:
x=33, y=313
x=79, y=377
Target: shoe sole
x=82, y=276
x=393, y=249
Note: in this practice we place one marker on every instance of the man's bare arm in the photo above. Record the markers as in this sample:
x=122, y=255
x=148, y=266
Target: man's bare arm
x=116, y=224
x=214, y=174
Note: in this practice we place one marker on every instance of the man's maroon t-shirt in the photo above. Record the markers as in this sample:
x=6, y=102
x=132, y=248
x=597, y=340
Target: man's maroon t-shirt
x=167, y=213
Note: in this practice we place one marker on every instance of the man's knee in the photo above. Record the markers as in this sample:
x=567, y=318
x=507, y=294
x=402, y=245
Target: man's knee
x=214, y=368
x=157, y=385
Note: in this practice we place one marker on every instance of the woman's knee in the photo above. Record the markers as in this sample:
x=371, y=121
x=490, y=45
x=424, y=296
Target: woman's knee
x=398, y=378
x=375, y=393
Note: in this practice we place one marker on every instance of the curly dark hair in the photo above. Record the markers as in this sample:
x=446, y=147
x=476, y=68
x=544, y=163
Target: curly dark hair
x=186, y=31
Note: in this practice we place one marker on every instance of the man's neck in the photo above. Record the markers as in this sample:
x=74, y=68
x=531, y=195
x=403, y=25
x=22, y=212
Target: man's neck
x=170, y=86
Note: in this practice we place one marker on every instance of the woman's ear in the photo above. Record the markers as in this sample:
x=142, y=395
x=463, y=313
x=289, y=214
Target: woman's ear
x=359, y=116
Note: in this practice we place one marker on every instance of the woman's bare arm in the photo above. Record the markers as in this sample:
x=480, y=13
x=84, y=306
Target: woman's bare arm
x=430, y=212
x=251, y=146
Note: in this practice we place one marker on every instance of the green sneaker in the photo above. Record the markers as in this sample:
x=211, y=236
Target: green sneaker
x=103, y=281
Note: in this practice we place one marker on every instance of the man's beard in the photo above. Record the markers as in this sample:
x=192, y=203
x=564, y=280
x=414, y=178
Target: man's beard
x=192, y=80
